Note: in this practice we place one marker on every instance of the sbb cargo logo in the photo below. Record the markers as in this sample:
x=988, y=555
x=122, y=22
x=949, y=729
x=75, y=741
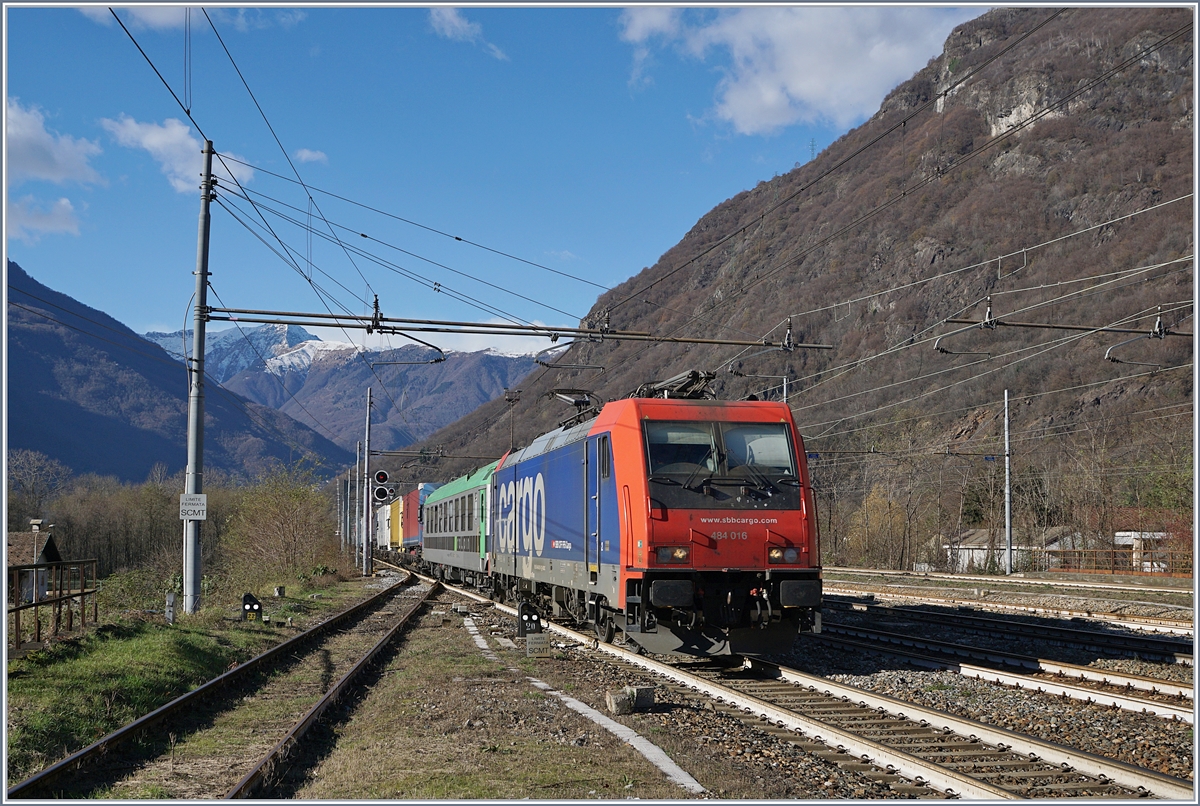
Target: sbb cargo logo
x=522, y=510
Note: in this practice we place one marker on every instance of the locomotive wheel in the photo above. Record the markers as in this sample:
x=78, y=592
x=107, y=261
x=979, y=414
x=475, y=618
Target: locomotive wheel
x=606, y=628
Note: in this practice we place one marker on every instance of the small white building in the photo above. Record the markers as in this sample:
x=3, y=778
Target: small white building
x=975, y=550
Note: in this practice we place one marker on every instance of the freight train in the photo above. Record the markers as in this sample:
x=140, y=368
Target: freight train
x=686, y=524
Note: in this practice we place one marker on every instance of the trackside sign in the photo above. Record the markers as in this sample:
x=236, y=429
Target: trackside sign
x=193, y=507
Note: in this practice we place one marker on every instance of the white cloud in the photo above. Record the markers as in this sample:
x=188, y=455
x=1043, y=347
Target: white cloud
x=638, y=27
x=449, y=23
x=37, y=153
x=307, y=155
x=167, y=18
x=178, y=153
x=27, y=220
x=788, y=65
x=255, y=19
x=158, y=18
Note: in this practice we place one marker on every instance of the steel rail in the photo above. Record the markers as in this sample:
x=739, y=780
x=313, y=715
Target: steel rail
x=951, y=781
x=262, y=770
x=1164, y=646
x=1131, y=623
x=41, y=780
x=1010, y=579
x=1149, y=684
x=1020, y=680
x=886, y=758
x=1127, y=775
x=881, y=755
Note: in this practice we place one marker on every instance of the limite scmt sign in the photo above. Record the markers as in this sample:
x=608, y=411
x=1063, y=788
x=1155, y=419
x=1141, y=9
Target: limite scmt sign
x=193, y=507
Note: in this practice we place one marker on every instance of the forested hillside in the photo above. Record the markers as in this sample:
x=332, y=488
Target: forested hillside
x=1041, y=169
x=86, y=391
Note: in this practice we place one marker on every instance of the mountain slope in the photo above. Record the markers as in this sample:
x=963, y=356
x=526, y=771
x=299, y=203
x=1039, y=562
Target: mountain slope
x=324, y=384
x=228, y=352
x=411, y=397
x=89, y=392
x=1046, y=165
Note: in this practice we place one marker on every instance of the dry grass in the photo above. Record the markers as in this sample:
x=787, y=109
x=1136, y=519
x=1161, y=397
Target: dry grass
x=443, y=722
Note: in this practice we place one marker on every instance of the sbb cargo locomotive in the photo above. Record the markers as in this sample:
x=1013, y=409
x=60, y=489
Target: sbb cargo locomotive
x=686, y=524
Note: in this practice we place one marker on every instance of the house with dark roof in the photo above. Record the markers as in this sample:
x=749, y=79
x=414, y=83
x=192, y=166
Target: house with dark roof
x=35, y=547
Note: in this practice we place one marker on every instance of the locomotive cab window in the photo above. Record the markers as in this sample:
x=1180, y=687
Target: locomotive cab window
x=680, y=447
x=605, y=458
x=722, y=465
x=764, y=446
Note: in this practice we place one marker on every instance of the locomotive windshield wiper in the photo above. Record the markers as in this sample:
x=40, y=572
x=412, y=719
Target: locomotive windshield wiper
x=764, y=483
x=700, y=466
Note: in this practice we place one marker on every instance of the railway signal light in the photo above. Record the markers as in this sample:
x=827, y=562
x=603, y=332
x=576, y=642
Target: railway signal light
x=251, y=608
x=381, y=476
x=382, y=493
x=528, y=620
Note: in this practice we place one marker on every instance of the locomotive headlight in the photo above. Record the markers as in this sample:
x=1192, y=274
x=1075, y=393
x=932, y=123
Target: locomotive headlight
x=778, y=554
x=673, y=554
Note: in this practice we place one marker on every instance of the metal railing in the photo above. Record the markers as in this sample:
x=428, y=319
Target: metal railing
x=41, y=594
x=1125, y=561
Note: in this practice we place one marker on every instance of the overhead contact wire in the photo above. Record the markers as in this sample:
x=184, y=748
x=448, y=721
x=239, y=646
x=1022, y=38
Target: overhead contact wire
x=414, y=255
x=277, y=141
x=434, y=230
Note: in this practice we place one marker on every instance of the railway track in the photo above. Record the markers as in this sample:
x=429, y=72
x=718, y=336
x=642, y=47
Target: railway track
x=1147, y=623
x=1171, y=649
x=883, y=737
x=1133, y=693
x=916, y=751
x=227, y=737
x=1014, y=580
x=959, y=756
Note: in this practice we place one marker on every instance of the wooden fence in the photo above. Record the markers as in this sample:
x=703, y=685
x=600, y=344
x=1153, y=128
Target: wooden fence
x=41, y=596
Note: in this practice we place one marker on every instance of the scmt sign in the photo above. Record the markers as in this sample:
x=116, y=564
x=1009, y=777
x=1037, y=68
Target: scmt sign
x=193, y=507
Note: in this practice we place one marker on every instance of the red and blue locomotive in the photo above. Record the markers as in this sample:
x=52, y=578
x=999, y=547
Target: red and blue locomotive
x=687, y=524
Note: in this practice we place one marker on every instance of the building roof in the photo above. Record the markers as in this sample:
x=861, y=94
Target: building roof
x=29, y=548
x=977, y=539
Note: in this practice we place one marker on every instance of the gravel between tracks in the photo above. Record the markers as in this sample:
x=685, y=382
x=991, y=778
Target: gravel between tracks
x=1158, y=744
x=464, y=727
x=444, y=722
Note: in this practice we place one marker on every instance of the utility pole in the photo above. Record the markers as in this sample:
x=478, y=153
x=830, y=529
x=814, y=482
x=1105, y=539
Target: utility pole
x=366, y=484
x=511, y=398
x=357, y=497
x=194, y=483
x=345, y=511
x=1008, y=557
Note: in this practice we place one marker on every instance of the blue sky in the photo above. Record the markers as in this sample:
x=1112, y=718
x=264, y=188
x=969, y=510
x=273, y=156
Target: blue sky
x=585, y=140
